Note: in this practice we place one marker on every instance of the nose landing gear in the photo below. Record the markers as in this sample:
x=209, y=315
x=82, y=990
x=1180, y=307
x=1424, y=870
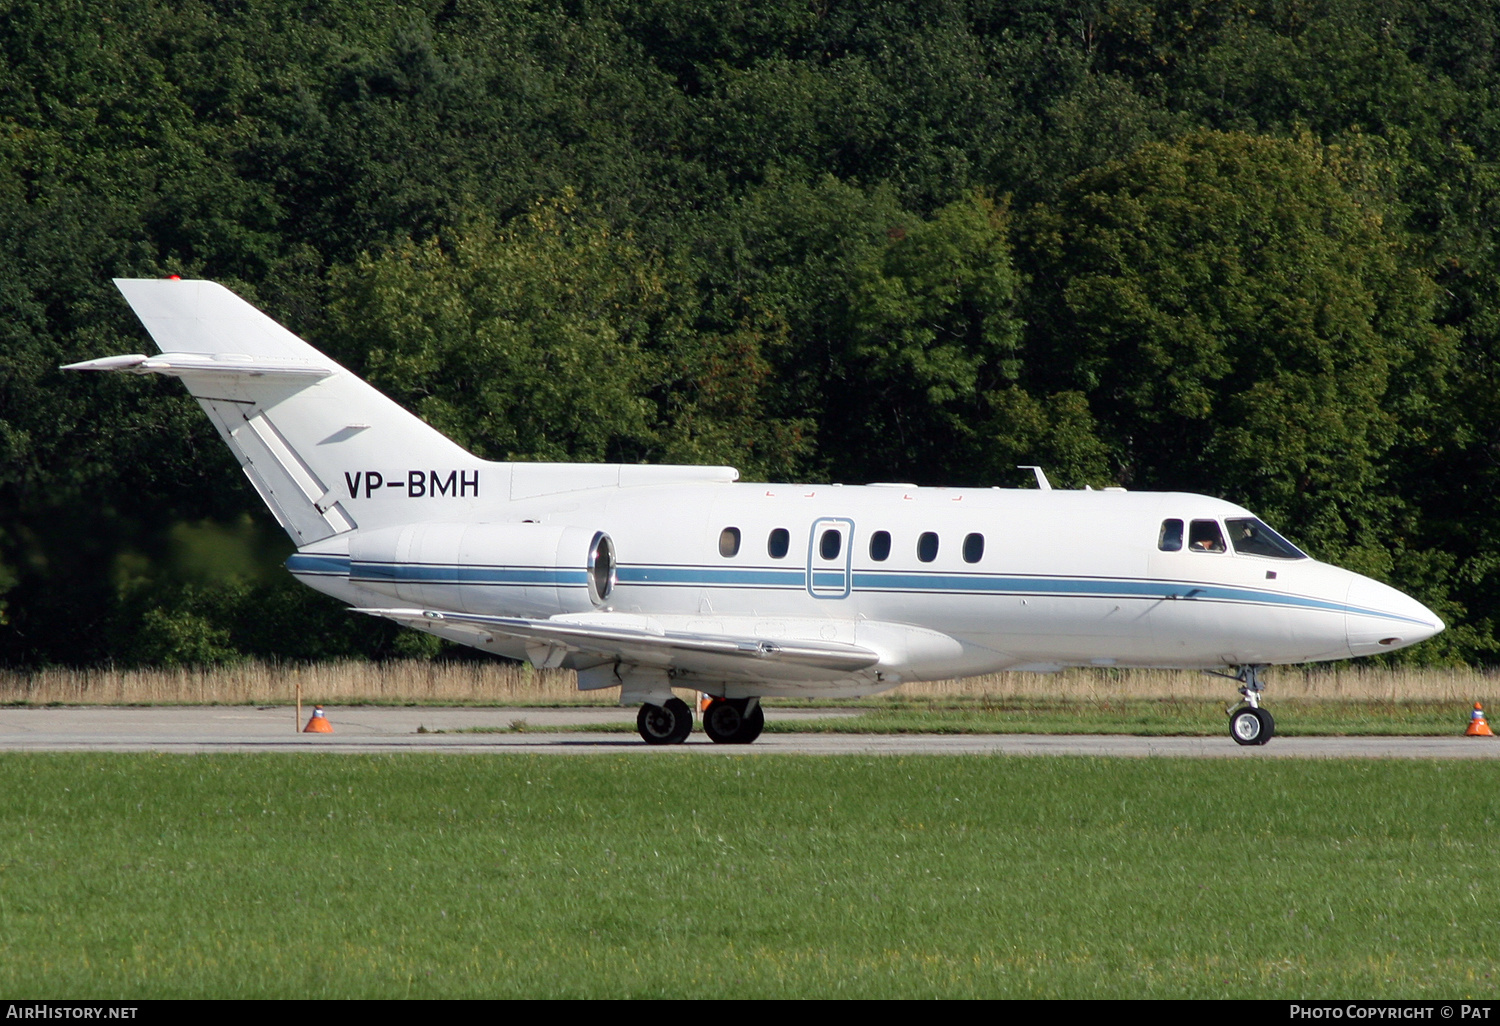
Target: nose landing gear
x=1249, y=724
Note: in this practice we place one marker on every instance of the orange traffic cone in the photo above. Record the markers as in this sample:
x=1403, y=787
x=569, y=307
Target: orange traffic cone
x=319, y=725
x=704, y=701
x=1477, y=726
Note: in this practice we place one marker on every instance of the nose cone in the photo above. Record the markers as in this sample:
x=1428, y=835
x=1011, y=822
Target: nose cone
x=1381, y=619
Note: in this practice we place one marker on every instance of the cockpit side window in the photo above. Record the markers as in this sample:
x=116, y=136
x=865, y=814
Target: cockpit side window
x=1205, y=536
x=1170, y=539
x=1250, y=537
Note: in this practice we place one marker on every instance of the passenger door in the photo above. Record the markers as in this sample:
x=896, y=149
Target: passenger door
x=830, y=554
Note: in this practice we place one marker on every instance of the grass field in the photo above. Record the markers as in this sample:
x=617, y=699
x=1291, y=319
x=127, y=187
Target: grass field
x=423, y=876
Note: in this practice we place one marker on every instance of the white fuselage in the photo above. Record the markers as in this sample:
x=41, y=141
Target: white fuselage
x=1057, y=578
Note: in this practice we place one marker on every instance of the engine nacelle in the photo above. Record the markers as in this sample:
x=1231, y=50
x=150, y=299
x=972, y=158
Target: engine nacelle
x=503, y=569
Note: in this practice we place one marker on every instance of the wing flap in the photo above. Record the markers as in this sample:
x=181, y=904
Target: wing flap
x=710, y=654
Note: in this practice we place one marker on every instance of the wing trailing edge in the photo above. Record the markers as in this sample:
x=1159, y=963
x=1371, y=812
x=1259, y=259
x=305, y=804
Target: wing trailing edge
x=550, y=642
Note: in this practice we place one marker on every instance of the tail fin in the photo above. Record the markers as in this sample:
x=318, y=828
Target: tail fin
x=310, y=435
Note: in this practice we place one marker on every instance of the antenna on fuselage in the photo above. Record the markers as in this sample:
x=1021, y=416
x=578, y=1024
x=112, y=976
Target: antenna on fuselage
x=1041, y=477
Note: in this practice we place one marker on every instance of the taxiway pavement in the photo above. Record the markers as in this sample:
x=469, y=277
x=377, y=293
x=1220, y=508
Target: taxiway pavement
x=368, y=729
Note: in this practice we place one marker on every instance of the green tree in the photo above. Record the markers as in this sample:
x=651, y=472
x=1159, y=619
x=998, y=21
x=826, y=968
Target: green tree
x=1244, y=325
x=787, y=253
x=1057, y=432
x=932, y=328
x=555, y=338
x=780, y=198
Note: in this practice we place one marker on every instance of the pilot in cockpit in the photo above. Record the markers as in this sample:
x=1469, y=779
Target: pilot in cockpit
x=1204, y=536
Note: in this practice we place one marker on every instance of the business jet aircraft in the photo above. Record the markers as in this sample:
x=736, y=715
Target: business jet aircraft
x=648, y=578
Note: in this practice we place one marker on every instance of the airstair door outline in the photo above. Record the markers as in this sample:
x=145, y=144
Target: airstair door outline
x=830, y=556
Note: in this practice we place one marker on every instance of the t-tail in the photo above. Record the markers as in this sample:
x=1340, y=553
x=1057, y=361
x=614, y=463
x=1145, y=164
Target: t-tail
x=326, y=451
x=310, y=435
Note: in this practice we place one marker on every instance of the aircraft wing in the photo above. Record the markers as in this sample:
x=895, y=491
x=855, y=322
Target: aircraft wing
x=631, y=640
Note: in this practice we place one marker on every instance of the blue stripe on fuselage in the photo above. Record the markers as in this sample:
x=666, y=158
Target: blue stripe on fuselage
x=698, y=576
x=660, y=575
x=438, y=573
x=306, y=563
x=435, y=573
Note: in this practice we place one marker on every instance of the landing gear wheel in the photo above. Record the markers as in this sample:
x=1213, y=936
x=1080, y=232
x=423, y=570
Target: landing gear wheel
x=755, y=722
x=667, y=724
x=1267, y=725
x=722, y=720
x=1250, y=726
x=684, y=716
x=655, y=725
x=730, y=721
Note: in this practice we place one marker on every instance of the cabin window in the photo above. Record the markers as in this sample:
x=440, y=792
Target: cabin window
x=880, y=546
x=729, y=542
x=1250, y=537
x=1205, y=536
x=831, y=544
x=778, y=543
x=1170, y=539
x=927, y=547
x=973, y=548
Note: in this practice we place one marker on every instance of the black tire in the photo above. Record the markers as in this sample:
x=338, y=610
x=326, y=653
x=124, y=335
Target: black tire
x=755, y=722
x=667, y=724
x=655, y=725
x=1251, y=726
x=1267, y=725
x=684, y=717
x=727, y=722
x=723, y=720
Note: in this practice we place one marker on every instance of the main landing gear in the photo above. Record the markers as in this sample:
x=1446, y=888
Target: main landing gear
x=734, y=721
x=728, y=721
x=667, y=724
x=1249, y=724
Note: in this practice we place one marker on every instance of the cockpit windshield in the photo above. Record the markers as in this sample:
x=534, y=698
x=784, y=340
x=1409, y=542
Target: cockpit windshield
x=1250, y=537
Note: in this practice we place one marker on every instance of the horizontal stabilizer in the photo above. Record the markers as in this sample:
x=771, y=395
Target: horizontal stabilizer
x=179, y=365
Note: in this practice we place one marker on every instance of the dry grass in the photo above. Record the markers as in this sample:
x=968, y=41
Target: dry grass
x=1351, y=682
x=258, y=683
x=499, y=683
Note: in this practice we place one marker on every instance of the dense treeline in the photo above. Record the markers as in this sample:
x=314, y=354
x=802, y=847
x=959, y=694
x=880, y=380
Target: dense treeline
x=1242, y=248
